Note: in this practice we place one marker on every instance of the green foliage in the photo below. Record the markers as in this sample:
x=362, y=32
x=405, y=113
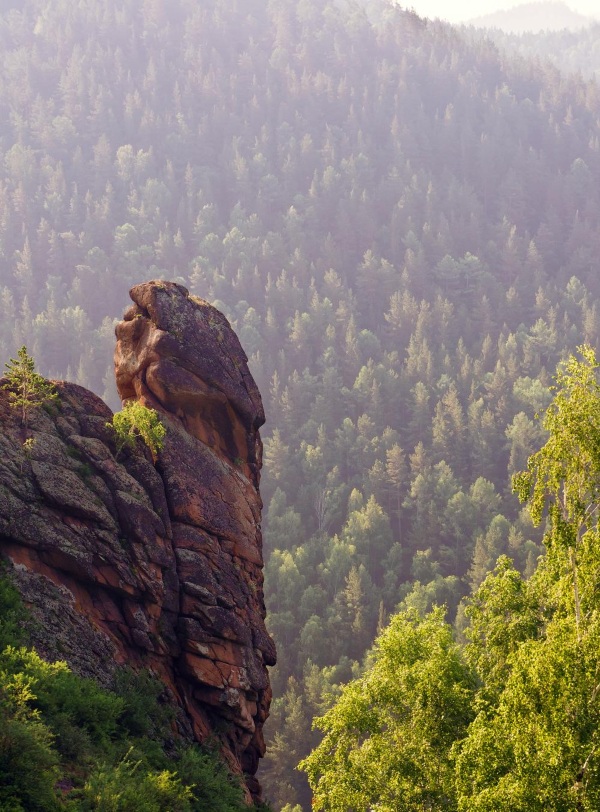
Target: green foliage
x=213, y=788
x=28, y=446
x=55, y=723
x=144, y=715
x=387, y=739
x=534, y=742
x=511, y=719
x=534, y=644
x=27, y=389
x=537, y=751
x=127, y=787
x=28, y=762
x=12, y=613
x=137, y=420
x=503, y=613
x=566, y=472
x=82, y=718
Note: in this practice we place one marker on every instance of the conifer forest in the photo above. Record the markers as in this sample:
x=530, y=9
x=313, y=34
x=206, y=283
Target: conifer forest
x=401, y=220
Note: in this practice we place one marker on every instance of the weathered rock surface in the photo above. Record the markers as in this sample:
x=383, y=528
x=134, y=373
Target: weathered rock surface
x=157, y=564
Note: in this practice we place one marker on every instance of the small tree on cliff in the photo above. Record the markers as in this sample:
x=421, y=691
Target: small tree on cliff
x=27, y=388
x=137, y=420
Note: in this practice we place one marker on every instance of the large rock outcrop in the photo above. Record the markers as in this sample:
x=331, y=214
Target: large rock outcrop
x=154, y=563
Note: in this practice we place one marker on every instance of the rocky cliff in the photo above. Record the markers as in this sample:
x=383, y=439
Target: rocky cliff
x=154, y=563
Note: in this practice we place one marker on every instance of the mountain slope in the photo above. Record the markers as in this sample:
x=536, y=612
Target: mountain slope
x=533, y=17
x=402, y=225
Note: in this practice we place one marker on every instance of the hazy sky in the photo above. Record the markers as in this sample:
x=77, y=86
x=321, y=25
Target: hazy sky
x=460, y=10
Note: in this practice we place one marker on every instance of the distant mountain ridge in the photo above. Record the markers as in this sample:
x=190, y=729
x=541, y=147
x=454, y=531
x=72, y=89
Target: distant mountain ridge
x=545, y=16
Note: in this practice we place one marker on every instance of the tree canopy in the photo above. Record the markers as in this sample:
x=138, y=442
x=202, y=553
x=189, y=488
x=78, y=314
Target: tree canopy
x=27, y=389
x=509, y=720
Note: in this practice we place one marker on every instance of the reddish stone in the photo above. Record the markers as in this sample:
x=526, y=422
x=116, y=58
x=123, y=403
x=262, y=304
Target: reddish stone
x=202, y=670
x=152, y=563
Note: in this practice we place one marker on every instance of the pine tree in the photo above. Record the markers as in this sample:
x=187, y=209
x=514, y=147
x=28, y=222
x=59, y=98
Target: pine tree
x=27, y=388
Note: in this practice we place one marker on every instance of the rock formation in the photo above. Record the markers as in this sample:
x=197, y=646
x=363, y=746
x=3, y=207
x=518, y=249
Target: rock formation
x=154, y=563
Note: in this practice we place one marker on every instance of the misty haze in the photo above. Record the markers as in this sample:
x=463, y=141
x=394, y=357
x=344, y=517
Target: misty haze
x=401, y=221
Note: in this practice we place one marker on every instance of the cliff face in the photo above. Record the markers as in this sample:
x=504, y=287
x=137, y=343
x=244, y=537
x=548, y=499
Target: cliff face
x=157, y=564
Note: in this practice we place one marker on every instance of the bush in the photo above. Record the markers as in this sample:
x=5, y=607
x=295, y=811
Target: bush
x=127, y=787
x=145, y=721
x=137, y=420
x=143, y=714
x=69, y=704
x=28, y=764
x=12, y=614
x=214, y=789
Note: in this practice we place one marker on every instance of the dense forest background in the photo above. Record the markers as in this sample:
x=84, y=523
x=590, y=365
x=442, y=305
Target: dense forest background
x=538, y=18
x=402, y=223
x=570, y=51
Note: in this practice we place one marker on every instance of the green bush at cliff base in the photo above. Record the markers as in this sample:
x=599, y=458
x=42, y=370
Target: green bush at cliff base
x=28, y=762
x=12, y=614
x=68, y=744
x=127, y=787
x=214, y=788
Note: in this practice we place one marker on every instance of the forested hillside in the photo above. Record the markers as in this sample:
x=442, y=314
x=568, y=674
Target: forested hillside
x=570, y=51
x=538, y=17
x=506, y=721
x=403, y=226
